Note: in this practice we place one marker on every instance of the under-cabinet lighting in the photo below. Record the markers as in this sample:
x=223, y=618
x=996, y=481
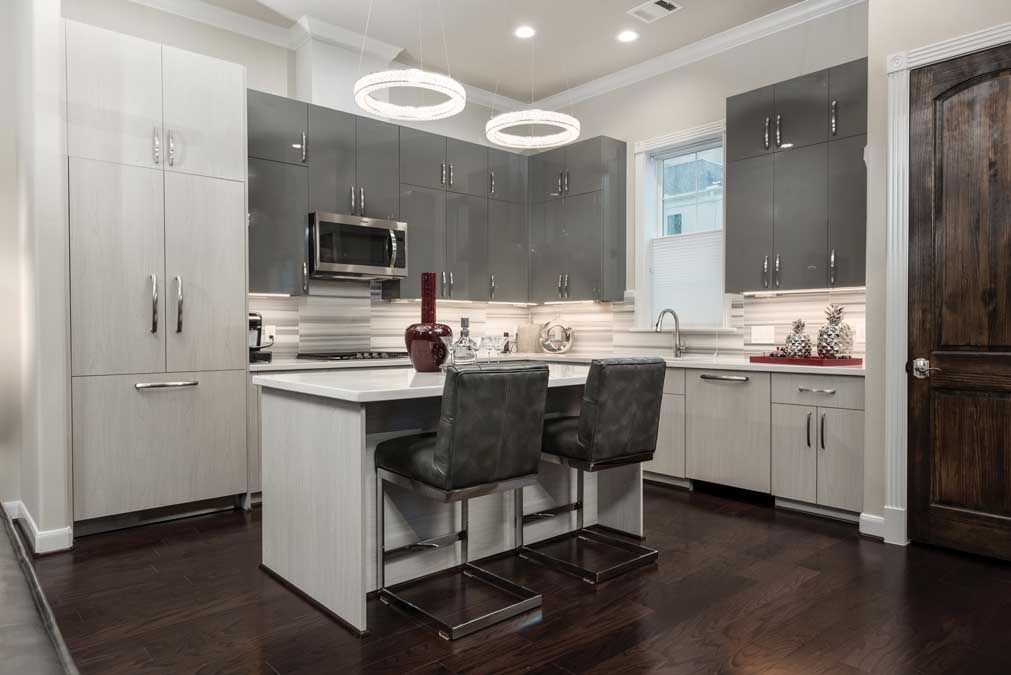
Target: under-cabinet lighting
x=269, y=295
x=572, y=302
x=803, y=291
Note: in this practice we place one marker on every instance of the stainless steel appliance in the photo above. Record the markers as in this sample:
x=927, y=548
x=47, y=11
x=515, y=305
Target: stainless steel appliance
x=351, y=356
x=352, y=247
x=256, y=339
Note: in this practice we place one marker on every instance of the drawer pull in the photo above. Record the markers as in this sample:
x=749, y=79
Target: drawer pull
x=165, y=385
x=725, y=378
x=809, y=390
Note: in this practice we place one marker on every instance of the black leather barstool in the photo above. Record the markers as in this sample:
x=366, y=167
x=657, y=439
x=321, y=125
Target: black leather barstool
x=617, y=426
x=488, y=441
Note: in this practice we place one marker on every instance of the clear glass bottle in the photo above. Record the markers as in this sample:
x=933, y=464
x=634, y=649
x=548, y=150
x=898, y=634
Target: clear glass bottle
x=465, y=349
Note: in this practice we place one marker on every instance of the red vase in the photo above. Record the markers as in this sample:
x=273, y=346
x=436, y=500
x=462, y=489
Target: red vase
x=424, y=340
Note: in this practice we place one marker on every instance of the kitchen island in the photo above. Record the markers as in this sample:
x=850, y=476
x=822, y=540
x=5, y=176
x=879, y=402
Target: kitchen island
x=319, y=431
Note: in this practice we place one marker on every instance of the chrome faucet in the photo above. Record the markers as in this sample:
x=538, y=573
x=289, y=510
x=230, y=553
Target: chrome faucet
x=679, y=346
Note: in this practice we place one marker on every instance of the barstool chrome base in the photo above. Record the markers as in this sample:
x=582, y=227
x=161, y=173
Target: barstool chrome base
x=639, y=556
x=526, y=600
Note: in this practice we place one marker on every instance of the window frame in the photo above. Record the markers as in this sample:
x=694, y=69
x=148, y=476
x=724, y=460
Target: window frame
x=649, y=155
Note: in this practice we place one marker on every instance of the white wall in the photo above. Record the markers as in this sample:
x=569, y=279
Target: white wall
x=10, y=273
x=42, y=222
x=895, y=26
x=267, y=66
x=696, y=94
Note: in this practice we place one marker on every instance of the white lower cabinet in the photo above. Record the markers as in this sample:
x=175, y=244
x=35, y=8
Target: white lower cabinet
x=669, y=459
x=140, y=447
x=728, y=428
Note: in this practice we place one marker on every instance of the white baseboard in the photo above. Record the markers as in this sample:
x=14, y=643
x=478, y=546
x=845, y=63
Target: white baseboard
x=894, y=530
x=872, y=525
x=41, y=541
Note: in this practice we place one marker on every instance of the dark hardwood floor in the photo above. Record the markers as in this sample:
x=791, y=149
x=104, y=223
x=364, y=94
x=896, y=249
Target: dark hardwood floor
x=739, y=587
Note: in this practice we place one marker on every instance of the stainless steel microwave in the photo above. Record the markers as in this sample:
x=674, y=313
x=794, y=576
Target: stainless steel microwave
x=352, y=247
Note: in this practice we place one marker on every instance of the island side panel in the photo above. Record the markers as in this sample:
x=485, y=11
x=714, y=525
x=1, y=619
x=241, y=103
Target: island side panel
x=619, y=498
x=313, y=498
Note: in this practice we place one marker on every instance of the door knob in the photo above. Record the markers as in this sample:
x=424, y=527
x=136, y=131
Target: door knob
x=922, y=369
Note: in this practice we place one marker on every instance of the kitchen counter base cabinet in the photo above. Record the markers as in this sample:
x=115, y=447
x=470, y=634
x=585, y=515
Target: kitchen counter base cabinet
x=669, y=459
x=144, y=448
x=728, y=428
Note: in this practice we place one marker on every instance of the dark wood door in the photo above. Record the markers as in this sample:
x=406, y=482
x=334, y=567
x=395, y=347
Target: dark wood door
x=960, y=303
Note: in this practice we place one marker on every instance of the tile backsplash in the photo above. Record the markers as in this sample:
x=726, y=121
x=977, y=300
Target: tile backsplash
x=348, y=316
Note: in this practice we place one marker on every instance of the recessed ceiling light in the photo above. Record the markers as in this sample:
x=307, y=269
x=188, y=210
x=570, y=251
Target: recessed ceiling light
x=524, y=32
x=628, y=36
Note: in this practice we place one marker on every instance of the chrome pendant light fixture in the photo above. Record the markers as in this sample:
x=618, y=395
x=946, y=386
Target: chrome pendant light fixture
x=566, y=127
x=367, y=87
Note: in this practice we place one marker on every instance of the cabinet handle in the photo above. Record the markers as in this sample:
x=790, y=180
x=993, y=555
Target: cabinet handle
x=352, y=200
x=491, y=290
x=165, y=385
x=809, y=429
x=558, y=189
x=493, y=183
x=179, y=304
x=725, y=378
x=443, y=292
x=779, y=268
x=765, y=136
x=442, y=173
x=823, y=416
x=566, y=286
x=451, y=175
x=560, y=286
x=809, y=390
x=154, y=303
x=566, y=181
x=831, y=268
x=171, y=150
x=361, y=201
x=305, y=278
x=156, y=141
x=451, y=284
x=765, y=272
x=835, y=115
x=304, y=149
x=779, y=131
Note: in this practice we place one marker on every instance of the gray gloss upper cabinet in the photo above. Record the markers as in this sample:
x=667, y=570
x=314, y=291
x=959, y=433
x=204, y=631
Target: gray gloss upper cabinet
x=276, y=127
x=547, y=251
x=546, y=172
x=508, y=252
x=468, y=167
x=278, y=218
x=424, y=210
x=847, y=211
x=749, y=224
x=847, y=93
x=801, y=111
x=801, y=217
x=586, y=166
x=377, y=169
x=423, y=159
x=508, y=175
x=584, y=240
x=750, y=119
x=331, y=159
x=467, y=246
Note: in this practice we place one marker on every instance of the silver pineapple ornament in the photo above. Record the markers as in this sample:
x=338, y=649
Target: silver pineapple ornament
x=835, y=339
x=798, y=343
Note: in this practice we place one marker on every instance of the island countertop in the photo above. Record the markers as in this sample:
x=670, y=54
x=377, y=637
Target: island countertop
x=390, y=384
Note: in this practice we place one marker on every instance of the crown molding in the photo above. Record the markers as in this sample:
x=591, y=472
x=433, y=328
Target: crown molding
x=309, y=28
x=756, y=29
x=222, y=18
x=947, y=49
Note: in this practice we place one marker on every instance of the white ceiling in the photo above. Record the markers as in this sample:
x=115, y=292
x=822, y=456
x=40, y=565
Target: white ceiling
x=575, y=40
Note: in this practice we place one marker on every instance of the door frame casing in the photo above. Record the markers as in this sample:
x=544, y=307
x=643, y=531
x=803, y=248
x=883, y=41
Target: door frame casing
x=894, y=527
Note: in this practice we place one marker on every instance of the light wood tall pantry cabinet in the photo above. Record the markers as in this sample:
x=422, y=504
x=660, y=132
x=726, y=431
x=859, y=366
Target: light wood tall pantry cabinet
x=158, y=275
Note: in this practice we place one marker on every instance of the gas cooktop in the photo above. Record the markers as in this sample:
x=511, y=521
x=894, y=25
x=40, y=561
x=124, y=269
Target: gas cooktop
x=351, y=356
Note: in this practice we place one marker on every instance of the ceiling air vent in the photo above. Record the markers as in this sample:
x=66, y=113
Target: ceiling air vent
x=648, y=12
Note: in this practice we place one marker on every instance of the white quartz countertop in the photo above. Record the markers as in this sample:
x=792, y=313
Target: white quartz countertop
x=699, y=361
x=390, y=384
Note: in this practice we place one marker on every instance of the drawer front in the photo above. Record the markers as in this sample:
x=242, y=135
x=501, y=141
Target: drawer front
x=728, y=429
x=826, y=391
x=674, y=381
x=142, y=448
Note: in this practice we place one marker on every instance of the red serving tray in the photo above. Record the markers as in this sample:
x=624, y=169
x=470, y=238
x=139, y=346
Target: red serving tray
x=809, y=361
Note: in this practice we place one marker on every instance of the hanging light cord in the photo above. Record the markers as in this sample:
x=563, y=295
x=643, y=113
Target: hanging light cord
x=445, y=45
x=368, y=20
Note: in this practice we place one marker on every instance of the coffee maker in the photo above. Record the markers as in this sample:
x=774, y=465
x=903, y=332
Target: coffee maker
x=256, y=340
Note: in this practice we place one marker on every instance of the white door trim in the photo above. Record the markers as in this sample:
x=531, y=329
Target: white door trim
x=899, y=66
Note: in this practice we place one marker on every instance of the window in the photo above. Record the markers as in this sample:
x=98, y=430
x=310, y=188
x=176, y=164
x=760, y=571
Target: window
x=685, y=242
